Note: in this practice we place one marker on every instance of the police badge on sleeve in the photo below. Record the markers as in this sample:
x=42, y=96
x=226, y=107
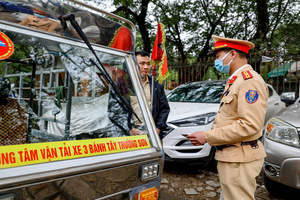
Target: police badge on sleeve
x=251, y=96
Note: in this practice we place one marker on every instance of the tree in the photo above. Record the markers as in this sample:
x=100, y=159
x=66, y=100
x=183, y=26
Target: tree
x=189, y=24
x=262, y=27
x=179, y=20
x=136, y=11
x=282, y=13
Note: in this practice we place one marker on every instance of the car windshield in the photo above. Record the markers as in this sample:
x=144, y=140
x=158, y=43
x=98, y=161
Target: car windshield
x=201, y=92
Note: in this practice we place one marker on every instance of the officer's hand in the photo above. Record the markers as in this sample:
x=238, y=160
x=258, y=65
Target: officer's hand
x=197, y=138
x=158, y=131
x=135, y=131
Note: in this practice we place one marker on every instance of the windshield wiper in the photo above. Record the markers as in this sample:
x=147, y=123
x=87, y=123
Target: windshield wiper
x=102, y=69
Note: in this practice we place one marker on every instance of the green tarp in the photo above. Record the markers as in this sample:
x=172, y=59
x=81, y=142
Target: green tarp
x=281, y=70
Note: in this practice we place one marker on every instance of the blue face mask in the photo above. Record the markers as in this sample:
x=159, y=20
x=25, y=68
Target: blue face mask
x=220, y=66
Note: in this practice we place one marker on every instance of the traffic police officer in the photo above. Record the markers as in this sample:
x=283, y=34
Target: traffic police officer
x=239, y=121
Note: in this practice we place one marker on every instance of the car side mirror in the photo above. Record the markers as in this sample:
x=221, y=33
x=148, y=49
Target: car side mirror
x=288, y=97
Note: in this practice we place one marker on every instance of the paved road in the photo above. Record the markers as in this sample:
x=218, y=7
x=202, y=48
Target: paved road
x=184, y=182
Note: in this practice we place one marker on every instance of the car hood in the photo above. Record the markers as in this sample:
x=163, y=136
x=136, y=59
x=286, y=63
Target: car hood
x=181, y=110
x=290, y=114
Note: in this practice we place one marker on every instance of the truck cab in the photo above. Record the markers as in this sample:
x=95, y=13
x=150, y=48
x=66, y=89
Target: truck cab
x=64, y=109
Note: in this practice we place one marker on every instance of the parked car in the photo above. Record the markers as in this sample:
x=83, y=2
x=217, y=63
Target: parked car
x=167, y=91
x=282, y=144
x=193, y=108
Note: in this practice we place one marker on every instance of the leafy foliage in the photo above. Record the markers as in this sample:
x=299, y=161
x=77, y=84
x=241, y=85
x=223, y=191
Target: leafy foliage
x=190, y=23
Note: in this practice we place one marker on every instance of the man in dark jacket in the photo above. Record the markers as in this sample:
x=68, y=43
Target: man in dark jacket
x=124, y=119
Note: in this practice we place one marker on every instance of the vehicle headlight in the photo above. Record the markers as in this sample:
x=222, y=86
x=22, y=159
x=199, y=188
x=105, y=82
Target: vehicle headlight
x=198, y=120
x=282, y=132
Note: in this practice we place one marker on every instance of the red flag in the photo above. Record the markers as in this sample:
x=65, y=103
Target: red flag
x=159, y=56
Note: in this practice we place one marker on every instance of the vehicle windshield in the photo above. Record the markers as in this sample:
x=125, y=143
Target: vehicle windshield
x=57, y=102
x=201, y=92
x=64, y=95
x=46, y=16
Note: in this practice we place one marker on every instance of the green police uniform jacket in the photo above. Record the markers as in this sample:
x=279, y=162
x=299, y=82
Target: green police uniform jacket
x=240, y=117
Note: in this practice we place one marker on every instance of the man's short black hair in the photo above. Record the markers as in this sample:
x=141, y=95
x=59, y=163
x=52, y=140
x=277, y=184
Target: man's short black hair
x=142, y=53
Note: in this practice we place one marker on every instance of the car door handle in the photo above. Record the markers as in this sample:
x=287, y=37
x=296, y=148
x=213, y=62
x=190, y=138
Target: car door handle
x=276, y=104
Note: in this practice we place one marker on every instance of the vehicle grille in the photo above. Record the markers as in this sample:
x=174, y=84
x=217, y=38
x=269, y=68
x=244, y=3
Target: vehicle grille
x=189, y=151
x=182, y=143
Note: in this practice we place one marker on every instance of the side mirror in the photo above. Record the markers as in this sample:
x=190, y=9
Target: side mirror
x=288, y=97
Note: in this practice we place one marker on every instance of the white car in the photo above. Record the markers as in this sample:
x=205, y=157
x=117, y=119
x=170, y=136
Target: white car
x=193, y=108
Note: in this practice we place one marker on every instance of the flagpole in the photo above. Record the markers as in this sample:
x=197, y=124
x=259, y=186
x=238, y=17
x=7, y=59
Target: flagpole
x=152, y=89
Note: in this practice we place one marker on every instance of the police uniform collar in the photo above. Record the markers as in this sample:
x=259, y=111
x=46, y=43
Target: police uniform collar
x=236, y=71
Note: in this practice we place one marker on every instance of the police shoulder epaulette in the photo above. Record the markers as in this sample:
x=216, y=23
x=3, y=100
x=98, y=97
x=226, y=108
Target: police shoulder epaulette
x=247, y=75
x=232, y=79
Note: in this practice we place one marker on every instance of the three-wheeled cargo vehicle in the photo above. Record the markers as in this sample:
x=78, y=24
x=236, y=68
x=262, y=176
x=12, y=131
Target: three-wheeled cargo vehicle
x=67, y=74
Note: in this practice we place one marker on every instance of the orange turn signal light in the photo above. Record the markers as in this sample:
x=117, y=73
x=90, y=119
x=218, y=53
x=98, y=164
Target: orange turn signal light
x=269, y=127
x=150, y=194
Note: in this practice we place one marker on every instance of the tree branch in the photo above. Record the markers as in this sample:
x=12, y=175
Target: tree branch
x=278, y=20
x=126, y=10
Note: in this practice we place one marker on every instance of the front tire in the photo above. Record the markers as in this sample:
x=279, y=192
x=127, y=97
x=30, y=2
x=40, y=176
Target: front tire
x=272, y=186
x=213, y=163
x=280, y=190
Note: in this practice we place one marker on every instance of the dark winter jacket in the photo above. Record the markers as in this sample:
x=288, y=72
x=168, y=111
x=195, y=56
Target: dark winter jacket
x=160, y=107
x=122, y=117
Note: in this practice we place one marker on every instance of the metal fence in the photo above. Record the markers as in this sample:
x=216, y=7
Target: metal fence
x=280, y=69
